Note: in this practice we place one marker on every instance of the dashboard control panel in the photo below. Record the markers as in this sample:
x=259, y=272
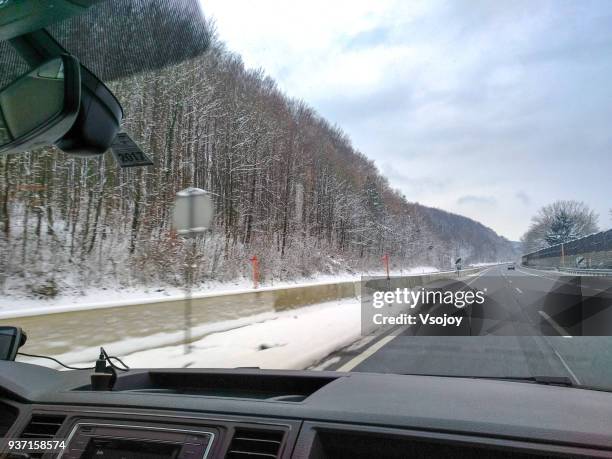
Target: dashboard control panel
x=104, y=441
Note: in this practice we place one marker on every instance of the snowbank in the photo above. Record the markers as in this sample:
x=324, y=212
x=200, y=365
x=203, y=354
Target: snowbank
x=16, y=306
x=291, y=340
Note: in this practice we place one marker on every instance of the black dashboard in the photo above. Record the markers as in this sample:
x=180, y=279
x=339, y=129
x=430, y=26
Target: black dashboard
x=249, y=413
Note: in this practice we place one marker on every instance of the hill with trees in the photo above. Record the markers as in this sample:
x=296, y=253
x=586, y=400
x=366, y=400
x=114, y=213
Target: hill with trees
x=288, y=186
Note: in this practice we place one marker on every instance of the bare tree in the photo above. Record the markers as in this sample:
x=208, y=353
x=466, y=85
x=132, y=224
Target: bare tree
x=288, y=186
x=559, y=222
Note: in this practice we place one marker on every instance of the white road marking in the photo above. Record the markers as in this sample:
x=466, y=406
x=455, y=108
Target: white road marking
x=539, y=275
x=558, y=279
x=519, y=290
x=325, y=364
x=558, y=328
x=569, y=370
x=476, y=278
x=348, y=366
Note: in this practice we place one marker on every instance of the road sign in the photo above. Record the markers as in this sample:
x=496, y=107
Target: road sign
x=192, y=216
x=193, y=212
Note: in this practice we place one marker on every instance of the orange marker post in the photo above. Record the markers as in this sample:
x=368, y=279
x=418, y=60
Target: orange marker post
x=385, y=260
x=255, y=264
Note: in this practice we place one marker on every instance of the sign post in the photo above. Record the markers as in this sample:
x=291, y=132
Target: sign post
x=255, y=263
x=562, y=255
x=192, y=216
x=385, y=259
x=458, y=266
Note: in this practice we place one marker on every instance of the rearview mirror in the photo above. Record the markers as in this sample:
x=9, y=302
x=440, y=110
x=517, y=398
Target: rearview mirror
x=41, y=106
x=11, y=339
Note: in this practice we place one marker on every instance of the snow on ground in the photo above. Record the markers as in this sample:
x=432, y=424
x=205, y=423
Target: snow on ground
x=19, y=306
x=491, y=263
x=294, y=339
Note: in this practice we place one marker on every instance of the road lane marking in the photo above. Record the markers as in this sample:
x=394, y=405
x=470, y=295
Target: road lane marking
x=540, y=275
x=477, y=277
x=528, y=273
x=519, y=290
x=559, y=279
x=348, y=366
x=558, y=328
x=569, y=370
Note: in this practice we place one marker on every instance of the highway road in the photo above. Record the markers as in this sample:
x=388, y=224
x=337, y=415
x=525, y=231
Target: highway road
x=527, y=327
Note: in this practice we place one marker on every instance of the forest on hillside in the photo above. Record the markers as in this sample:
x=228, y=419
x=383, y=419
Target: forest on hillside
x=289, y=187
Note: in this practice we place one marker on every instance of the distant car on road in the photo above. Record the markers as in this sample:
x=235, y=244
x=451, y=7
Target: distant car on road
x=512, y=266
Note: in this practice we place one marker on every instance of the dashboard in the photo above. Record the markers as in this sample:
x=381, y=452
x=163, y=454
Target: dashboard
x=250, y=413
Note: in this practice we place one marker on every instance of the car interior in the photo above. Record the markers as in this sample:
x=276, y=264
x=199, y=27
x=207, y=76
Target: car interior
x=110, y=411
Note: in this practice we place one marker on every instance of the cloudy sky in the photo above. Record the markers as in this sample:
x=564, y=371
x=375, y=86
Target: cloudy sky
x=489, y=109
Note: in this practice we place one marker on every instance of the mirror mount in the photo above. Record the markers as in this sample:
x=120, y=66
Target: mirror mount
x=98, y=121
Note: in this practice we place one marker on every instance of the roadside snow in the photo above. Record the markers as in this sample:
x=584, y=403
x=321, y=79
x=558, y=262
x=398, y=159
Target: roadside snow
x=294, y=339
x=18, y=306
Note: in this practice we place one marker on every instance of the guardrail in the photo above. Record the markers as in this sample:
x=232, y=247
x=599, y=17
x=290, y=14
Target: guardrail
x=575, y=271
x=586, y=272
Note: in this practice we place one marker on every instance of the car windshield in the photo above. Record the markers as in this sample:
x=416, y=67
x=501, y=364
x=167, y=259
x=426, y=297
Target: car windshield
x=394, y=187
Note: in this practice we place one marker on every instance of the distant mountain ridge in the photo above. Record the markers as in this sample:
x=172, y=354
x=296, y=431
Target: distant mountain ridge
x=471, y=240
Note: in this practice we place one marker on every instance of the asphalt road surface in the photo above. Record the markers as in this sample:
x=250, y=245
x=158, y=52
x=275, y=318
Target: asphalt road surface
x=527, y=327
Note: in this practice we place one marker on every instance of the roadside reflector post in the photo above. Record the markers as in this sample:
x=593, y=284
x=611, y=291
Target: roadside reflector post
x=192, y=216
x=255, y=265
x=458, y=265
x=385, y=260
x=562, y=256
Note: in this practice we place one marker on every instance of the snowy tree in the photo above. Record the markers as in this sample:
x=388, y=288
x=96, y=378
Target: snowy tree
x=559, y=222
x=288, y=186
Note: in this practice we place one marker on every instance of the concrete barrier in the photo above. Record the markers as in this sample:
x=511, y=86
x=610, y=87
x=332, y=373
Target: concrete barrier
x=61, y=332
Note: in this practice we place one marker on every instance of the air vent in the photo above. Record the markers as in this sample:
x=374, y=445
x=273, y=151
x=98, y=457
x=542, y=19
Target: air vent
x=8, y=415
x=43, y=426
x=251, y=443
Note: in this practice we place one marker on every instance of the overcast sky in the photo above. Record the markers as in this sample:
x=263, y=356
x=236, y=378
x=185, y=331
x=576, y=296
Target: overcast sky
x=489, y=109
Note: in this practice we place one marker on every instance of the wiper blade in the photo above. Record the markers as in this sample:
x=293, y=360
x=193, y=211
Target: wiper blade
x=562, y=381
x=546, y=380
x=553, y=380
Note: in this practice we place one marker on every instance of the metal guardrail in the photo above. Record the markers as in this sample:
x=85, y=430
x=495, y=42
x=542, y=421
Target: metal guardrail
x=586, y=272
x=576, y=271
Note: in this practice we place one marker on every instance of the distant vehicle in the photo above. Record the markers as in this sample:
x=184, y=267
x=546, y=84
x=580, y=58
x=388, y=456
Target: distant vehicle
x=512, y=266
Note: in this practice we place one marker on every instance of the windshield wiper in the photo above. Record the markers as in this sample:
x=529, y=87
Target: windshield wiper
x=563, y=381
x=553, y=380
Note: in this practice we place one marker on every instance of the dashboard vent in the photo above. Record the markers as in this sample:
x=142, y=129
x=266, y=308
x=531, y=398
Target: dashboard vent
x=251, y=443
x=8, y=415
x=43, y=426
